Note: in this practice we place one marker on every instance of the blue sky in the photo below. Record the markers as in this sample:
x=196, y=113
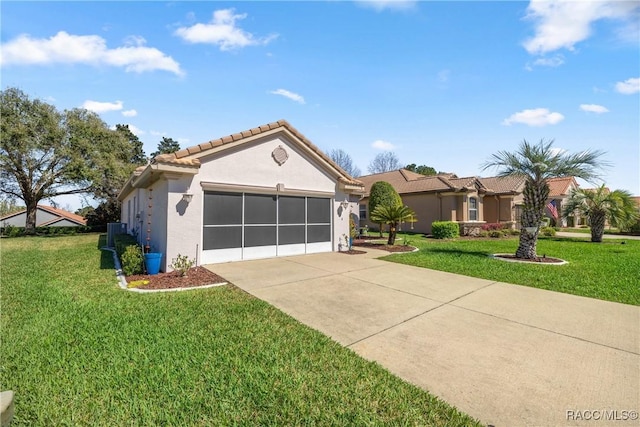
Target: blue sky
x=444, y=84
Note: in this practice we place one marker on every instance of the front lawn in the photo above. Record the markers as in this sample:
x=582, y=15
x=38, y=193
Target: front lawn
x=609, y=270
x=77, y=350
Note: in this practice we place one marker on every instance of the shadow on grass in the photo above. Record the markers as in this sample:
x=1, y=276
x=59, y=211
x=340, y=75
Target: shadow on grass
x=458, y=252
x=106, y=257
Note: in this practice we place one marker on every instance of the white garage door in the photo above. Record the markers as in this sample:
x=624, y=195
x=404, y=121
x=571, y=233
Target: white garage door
x=240, y=226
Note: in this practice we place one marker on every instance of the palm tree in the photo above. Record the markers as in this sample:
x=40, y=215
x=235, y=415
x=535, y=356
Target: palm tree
x=392, y=215
x=600, y=205
x=537, y=163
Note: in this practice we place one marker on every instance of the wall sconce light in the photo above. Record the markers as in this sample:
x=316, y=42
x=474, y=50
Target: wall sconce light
x=344, y=204
x=187, y=197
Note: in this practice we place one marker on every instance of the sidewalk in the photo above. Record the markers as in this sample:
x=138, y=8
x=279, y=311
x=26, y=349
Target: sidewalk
x=508, y=355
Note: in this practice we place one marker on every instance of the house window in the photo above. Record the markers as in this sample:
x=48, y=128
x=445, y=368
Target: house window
x=363, y=212
x=473, y=209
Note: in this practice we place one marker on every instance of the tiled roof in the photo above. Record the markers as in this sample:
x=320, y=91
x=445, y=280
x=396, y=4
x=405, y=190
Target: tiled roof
x=561, y=186
x=506, y=185
x=60, y=213
x=405, y=182
x=186, y=156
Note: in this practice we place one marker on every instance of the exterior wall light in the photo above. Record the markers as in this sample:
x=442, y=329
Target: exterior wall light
x=187, y=197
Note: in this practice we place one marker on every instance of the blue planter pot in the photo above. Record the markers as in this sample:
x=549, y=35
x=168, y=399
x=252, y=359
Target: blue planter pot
x=152, y=262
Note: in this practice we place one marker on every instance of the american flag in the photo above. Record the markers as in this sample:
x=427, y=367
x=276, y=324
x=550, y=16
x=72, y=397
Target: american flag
x=552, y=208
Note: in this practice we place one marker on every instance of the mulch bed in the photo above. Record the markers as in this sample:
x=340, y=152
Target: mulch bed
x=196, y=276
x=353, y=252
x=547, y=260
x=384, y=247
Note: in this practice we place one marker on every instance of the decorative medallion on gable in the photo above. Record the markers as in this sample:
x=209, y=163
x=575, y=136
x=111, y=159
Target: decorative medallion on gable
x=280, y=155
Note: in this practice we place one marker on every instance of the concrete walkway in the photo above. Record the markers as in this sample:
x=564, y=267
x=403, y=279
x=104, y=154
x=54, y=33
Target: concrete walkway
x=508, y=355
x=588, y=236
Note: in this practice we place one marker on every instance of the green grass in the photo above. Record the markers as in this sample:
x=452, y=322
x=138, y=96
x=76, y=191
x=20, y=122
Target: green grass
x=77, y=350
x=608, y=270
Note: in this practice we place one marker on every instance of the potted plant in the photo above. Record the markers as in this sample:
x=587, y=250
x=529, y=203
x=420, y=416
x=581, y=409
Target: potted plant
x=152, y=260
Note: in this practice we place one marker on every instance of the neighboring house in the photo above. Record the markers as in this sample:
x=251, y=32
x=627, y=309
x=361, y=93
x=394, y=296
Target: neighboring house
x=46, y=216
x=559, y=191
x=264, y=192
x=503, y=200
x=443, y=197
x=471, y=201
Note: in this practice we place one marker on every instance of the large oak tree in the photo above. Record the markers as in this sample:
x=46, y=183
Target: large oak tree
x=46, y=153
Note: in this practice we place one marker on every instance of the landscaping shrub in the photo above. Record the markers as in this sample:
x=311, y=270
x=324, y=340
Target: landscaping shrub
x=122, y=241
x=445, y=230
x=182, y=264
x=13, y=231
x=496, y=233
x=548, y=231
x=492, y=226
x=132, y=260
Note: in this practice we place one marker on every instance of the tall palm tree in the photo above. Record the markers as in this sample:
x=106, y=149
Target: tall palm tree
x=537, y=163
x=600, y=205
x=392, y=215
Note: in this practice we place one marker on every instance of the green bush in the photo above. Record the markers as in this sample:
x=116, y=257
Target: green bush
x=13, y=231
x=548, y=231
x=132, y=260
x=496, y=233
x=445, y=230
x=122, y=241
x=182, y=264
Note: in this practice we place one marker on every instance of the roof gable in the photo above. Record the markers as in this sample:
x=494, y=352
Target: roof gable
x=191, y=155
x=561, y=186
x=58, y=215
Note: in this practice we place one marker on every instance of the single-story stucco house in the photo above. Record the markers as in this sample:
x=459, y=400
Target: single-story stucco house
x=46, y=216
x=264, y=192
x=471, y=201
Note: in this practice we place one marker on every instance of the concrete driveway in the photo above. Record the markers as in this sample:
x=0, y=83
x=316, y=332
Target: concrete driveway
x=508, y=355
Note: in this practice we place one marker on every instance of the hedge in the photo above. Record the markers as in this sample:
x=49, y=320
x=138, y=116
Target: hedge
x=445, y=229
x=13, y=231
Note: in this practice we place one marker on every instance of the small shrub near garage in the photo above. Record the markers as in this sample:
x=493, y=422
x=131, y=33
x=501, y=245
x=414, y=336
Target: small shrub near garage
x=132, y=260
x=445, y=229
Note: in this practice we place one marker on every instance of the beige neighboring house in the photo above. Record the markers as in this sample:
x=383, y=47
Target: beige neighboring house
x=443, y=197
x=46, y=216
x=559, y=191
x=264, y=192
x=472, y=201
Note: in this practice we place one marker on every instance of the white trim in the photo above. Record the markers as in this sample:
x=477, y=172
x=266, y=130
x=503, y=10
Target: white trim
x=256, y=189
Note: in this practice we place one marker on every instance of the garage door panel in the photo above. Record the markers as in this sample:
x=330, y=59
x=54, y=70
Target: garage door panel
x=291, y=234
x=222, y=208
x=318, y=210
x=291, y=210
x=318, y=233
x=260, y=209
x=222, y=237
x=259, y=236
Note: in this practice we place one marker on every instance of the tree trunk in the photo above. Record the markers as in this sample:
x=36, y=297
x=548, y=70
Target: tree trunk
x=380, y=224
x=597, y=220
x=30, y=224
x=535, y=197
x=392, y=234
x=527, y=246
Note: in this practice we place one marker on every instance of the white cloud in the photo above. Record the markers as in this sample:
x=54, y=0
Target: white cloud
x=130, y=113
x=629, y=86
x=554, y=61
x=223, y=32
x=534, y=117
x=444, y=76
x=292, y=96
x=383, y=145
x=91, y=50
x=556, y=151
x=157, y=133
x=593, y=108
x=102, y=107
x=563, y=23
x=380, y=5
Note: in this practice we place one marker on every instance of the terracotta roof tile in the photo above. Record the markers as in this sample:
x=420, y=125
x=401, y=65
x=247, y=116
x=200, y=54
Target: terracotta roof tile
x=506, y=185
x=561, y=186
